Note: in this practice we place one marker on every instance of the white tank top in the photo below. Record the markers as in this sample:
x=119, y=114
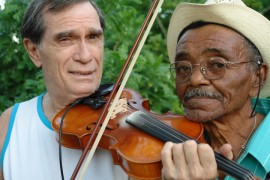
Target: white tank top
x=30, y=150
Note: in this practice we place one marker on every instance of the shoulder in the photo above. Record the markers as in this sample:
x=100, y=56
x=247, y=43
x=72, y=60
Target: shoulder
x=4, y=121
x=6, y=117
x=1, y=175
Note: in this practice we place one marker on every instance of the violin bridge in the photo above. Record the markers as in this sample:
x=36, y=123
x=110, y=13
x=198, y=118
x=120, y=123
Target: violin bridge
x=120, y=107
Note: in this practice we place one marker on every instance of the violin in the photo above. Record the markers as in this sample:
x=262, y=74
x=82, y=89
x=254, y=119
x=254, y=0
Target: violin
x=134, y=135
x=137, y=152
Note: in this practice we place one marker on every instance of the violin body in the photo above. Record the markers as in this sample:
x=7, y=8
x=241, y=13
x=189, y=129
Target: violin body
x=137, y=152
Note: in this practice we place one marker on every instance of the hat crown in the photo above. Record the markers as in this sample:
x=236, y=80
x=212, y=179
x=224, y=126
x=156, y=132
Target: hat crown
x=239, y=2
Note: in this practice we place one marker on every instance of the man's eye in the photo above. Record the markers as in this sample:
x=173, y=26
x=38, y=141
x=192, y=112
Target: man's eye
x=92, y=36
x=218, y=65
x=95, y=36
x=182, y=68
x=63, y=39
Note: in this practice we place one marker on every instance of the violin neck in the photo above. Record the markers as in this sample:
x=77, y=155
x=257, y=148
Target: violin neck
x=147, y=123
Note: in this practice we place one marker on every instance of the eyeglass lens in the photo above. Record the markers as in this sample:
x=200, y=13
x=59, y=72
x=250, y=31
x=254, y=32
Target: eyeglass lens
x=212, y=69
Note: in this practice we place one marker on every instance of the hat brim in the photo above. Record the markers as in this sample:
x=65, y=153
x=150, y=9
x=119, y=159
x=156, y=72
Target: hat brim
x=243, y=19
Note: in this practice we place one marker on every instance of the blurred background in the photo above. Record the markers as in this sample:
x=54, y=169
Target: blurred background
x=21, y=80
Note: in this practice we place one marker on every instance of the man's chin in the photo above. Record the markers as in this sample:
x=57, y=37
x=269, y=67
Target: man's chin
x=199, y=115
x=81, y=94
x=85, y=89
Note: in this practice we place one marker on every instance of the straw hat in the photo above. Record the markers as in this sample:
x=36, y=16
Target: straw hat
x=232, y=13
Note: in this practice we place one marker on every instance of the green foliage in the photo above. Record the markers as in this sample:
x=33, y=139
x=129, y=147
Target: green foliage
x=150, y=76
x=21, y=80
x=18, y=77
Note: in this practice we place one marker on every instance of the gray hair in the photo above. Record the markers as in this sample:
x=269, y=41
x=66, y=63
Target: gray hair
x=254, y=54
x=33, y=26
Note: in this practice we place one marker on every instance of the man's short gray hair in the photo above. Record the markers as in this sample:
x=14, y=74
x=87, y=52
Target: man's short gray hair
x=33, y=26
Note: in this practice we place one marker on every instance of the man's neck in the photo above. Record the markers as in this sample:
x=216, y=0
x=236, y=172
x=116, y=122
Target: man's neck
x=235, y=130
x=51, y=106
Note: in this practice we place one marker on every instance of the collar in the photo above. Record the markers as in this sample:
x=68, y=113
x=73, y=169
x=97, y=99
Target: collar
x=257, y=150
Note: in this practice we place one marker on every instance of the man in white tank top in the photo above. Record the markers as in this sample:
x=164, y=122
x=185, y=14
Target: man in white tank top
x=66, y=40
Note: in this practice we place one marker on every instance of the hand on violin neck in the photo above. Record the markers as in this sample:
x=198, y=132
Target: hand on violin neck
x=226, y=151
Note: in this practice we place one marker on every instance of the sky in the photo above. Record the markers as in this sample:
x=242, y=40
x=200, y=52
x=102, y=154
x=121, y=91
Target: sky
x=2, y=3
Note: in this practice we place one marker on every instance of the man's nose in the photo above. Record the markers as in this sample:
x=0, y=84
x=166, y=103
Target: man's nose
x=83, y=52
x=197, y=77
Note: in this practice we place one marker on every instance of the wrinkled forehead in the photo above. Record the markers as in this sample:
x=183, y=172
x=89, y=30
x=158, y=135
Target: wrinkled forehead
x=57, y=10
x=57, y=6
x=81, y=14
x=217, y=28
x=211, y=39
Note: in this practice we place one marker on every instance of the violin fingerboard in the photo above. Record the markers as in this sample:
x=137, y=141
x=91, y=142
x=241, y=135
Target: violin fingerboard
x=147, y=123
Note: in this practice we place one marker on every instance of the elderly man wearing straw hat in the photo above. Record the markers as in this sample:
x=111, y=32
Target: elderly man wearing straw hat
x=220, y=54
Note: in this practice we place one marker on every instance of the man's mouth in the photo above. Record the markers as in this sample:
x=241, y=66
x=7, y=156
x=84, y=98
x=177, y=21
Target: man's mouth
x=78, y=73
x=81, y=73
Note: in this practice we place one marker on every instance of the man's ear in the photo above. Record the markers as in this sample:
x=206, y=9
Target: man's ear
x=32, y=51
x=256, y=82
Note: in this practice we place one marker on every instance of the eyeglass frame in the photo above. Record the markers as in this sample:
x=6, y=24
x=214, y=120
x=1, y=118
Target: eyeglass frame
x=203, y=69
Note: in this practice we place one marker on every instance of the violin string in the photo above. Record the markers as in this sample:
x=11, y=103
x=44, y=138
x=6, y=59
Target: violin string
x=159, y=128
x=161, y=132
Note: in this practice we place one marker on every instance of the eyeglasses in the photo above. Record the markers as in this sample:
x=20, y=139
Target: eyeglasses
x=212, y=69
